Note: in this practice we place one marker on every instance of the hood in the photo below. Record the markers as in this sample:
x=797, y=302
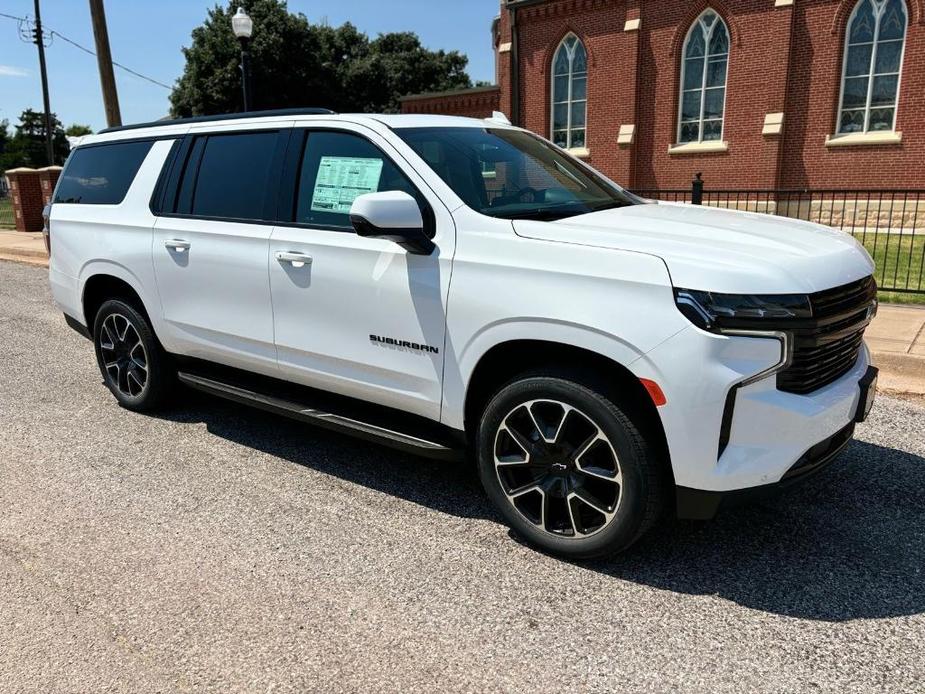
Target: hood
x=719, y=250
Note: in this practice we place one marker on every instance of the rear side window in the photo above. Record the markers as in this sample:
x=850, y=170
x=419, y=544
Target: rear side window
x=101, y=174
x=234, y=175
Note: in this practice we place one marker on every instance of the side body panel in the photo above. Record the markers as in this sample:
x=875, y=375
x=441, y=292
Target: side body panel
x=506, y=287
x=327, y=311
x=212, y=280
x=215, y=294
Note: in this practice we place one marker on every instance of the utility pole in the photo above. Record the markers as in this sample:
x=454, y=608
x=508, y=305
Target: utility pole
x=39, y=41
x=104, y=59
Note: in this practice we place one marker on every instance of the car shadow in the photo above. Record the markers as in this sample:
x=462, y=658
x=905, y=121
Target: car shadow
x=448, y=487
x=849, y=545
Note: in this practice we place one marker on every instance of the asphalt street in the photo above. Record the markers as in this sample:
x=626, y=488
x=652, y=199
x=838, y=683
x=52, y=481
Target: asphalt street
x=217, y=548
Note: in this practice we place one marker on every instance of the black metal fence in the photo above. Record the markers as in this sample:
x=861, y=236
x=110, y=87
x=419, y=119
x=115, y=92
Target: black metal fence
x=889, y=223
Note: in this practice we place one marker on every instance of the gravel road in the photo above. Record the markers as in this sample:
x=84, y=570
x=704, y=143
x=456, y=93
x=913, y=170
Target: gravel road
x=217, y=548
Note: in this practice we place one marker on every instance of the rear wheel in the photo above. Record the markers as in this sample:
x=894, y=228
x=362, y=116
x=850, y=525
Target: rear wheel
x=133, y=364
x=567, y=468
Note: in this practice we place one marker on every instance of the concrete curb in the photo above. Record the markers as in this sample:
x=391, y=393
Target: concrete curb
x=900, y=373
x=26, y=253
x=37, y=259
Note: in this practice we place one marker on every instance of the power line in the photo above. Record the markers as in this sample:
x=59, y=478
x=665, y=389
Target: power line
x=119, y=65
x=64, y=38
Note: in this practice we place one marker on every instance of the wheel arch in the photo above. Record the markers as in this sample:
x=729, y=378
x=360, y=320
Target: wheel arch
x=494, y=369
x=102, y=286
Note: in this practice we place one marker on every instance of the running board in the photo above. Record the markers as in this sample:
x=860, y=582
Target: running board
x=327, y=420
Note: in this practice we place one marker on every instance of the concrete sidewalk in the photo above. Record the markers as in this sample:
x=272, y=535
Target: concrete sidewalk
x=897, y=340
x=24, y=247
x=896, y=337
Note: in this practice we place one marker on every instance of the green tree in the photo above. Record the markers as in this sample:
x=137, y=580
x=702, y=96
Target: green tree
x=27, y=145
x=296, y=63
x=78, y=129
x=4, y=144
x=395, y=65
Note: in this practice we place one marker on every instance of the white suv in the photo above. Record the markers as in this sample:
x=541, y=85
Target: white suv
x=445, y=285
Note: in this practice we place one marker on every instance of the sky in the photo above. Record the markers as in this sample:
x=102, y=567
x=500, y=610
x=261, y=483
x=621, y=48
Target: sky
x=147, y=37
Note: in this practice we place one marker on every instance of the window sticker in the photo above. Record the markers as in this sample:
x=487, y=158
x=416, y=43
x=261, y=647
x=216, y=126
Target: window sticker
x=341, y=180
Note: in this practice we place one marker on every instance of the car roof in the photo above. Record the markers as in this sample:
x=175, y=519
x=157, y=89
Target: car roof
x=420, y=120
x=181, y=126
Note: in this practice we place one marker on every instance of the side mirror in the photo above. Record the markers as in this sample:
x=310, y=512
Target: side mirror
x=393, y=215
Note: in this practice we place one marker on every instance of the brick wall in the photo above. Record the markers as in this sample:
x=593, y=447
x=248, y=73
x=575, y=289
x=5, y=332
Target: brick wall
x=26, y=194
x=812, y=107
x=474, y=103
x=599, y=24
x=48, y=178
x=30, y=191
x=785, y=57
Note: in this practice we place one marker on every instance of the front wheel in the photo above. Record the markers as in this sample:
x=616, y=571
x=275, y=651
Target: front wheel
x=134, y=366
x=567, y=468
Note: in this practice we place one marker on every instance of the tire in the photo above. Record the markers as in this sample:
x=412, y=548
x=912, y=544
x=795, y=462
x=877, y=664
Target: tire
x=593, y=485
x=132, y=362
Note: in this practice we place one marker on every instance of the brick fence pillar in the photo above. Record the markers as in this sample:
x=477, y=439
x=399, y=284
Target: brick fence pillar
x=48, y=177
x=26, y=194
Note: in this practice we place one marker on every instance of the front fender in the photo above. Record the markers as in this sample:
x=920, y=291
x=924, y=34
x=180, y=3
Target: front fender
x=458, y=374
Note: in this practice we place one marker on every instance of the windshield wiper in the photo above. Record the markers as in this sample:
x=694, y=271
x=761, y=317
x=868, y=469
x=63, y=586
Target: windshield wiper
x=553, y=212
x=541, y=215
x=612, y=205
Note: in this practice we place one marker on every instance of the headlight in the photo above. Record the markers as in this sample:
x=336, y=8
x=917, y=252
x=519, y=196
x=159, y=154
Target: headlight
x=716, y=312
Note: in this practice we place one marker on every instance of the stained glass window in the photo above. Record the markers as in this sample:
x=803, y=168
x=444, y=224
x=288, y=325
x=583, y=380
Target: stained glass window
x=703, y=80
x=569, y=93
x=873, y=55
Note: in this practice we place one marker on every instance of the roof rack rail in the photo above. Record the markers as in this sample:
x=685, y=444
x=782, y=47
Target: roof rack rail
x=223, y=116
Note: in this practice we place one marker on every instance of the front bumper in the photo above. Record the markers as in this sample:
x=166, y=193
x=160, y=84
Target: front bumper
x=769, y=434
x=699, y=504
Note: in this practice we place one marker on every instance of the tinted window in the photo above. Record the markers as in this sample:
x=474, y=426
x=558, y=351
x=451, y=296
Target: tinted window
x=234, y=175
x=512, y=174
x=336, y=169
x=101, y=174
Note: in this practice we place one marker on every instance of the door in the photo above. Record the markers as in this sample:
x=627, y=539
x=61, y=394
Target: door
x=358, y=316
x=210, y=249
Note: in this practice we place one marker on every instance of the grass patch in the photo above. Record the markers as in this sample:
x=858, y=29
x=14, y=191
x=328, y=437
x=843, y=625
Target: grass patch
x=899, y=265
x=7, y=221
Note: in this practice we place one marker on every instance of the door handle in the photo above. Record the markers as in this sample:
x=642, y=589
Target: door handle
x=295, y=258
x=177, y=245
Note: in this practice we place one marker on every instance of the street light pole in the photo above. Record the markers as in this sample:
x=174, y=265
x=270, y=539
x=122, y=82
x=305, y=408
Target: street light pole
x=243, y=27
x=39, y=41
x=246, y=73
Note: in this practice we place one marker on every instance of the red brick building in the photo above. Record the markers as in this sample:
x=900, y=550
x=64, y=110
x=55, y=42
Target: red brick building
x=753, y=93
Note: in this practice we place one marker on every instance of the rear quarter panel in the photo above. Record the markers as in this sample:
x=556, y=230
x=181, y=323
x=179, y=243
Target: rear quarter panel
x=89, y=240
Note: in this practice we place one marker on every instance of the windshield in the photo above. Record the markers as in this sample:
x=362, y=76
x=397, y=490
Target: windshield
x=512, y=174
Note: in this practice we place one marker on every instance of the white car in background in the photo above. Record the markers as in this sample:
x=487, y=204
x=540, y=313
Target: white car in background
x=449, y=285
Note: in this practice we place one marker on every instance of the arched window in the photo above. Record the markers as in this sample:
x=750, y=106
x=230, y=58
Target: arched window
x=569, y=93
x=873, y=57
x=703, y=79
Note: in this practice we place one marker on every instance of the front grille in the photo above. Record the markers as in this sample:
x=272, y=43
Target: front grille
x=826, y=346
